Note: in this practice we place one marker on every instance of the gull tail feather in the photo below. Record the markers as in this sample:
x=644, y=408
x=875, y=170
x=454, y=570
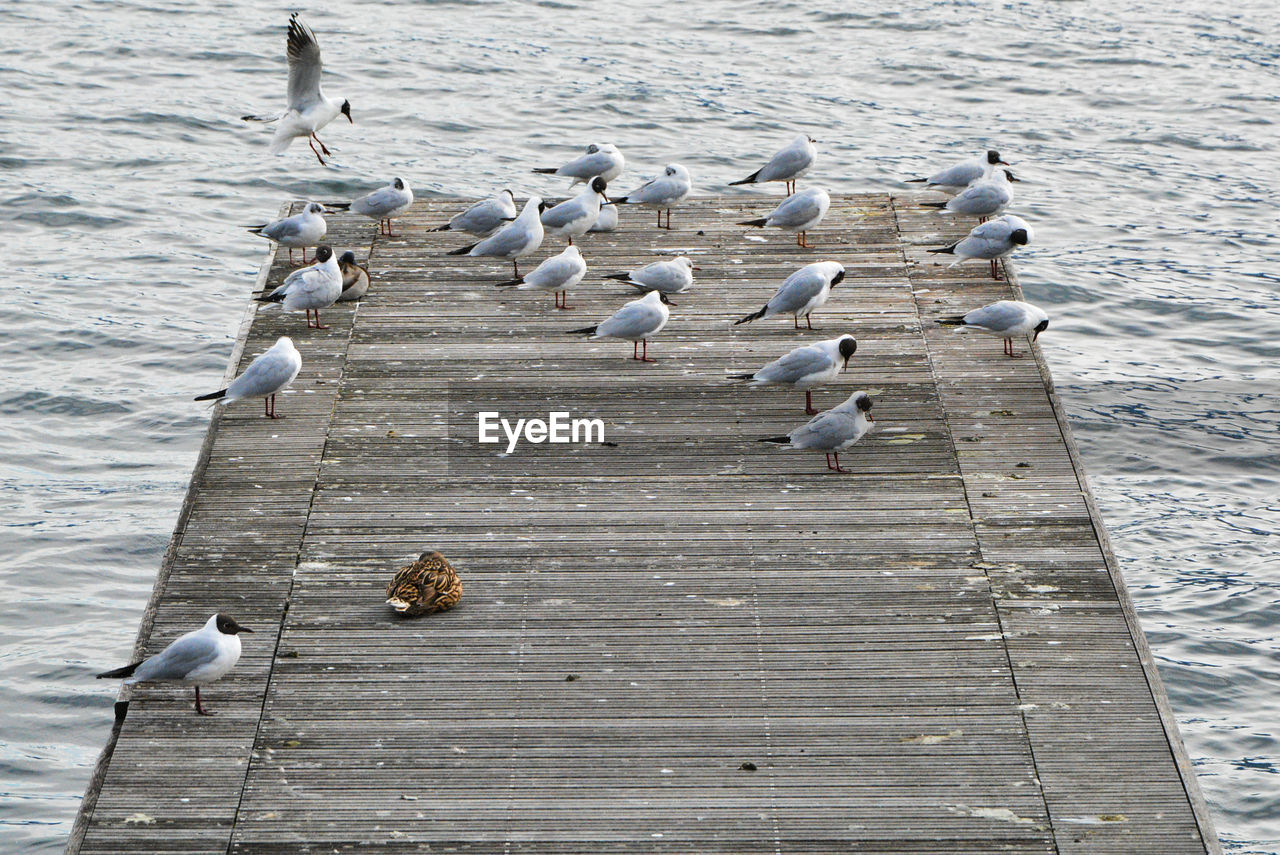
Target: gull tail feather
x=463, y=250
x=778, y=439
x=446, y=227
x=947, y=249
x=126, y=671
x=509, y=283
x=917, y=180
x=750, y=179
x=585, y=331
x=955, y=321
x=212, y=395
x=760, y=223
x=752, y=317
x=545, y=171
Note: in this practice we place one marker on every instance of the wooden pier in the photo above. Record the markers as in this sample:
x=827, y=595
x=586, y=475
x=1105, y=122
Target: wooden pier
x=683, y=641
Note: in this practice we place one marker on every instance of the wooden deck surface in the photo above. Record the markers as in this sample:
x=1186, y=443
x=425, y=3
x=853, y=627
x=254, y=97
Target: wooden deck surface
x=933, y=654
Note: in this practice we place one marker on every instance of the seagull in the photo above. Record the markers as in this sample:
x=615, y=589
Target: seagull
x=573, y=217
x=557, y=273
x=634, y=322
x=986, y=197
x=673, y=276
x=311, y=288
x=806, y=367
x=803, y=291
x=355, y=278
x=270, y=372
x=299, y=231
x=787, y=165
x=519, y=238
x=991, y=240
x=1005, y=318
x=602, y=160
x=608, y=219
x=309, y=110
x=195, y=659
x=383, y=204
x=798, y=213
x=485, y=217
x=668, y=189
x=954, y=179
x=834, y=430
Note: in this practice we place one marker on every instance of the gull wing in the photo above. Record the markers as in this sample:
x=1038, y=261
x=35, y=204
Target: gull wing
x=178, y=659
x=997, y=317
x=304, y=65
x=796, y=365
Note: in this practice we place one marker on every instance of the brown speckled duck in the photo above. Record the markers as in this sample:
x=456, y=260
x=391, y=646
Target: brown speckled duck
x=429, y=584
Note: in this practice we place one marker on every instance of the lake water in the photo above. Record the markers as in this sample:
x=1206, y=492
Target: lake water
x=1145, y=133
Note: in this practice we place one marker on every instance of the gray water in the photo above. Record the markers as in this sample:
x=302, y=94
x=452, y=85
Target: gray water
x=1145, y=133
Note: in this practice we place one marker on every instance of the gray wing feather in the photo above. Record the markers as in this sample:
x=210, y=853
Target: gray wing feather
x=563, y=214
x=379, y=202
x=825, y=431
x=587, y=166
x=794, y=211
x=267, y=374
x=304, y=67
x=979, y=200
x=796, y=365
x=286, y=228
x=785, y=164
x=178, y=659
x=553, y=271
x=630, y=321
x=960, y=175
x=799, y=289
x=511, y=239
x=482, y=217
x=996, y=317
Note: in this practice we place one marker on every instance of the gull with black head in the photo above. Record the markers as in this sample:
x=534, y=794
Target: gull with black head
x=832, y=431
x=806, y=367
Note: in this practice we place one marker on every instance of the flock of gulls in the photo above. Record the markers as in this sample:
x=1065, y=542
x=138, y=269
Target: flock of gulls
x=980, y=187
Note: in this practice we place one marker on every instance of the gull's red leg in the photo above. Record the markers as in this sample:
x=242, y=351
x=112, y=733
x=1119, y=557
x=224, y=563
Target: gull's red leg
x=808, y=403
x=201, y=710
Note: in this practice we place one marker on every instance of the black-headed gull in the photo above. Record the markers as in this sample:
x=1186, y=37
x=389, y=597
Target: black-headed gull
x=557, y=273
x=798, y=213
x=664, y=192
x=986, y=197
x=355, y=278
x=790, y=163
x=802, y=293
x=308, y=109
x=990, y=241
x=520, y=237
x=383, y=204
x=806, y=367
x=1006, y=319
x=634, y=322
x=304, y=229
x=270, y=372
x=195, y=659
x=672, y=276
x=573, y=217
x=603, y=160
x=833, y=430
x=311, y=288
x=955, y=178
x=484, y=217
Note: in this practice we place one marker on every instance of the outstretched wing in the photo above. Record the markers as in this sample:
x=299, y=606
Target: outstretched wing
x=304, y=65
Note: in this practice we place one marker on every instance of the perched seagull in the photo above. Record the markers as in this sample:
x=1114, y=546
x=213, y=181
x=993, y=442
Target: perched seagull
x=308, y=110
x=954, y=179
x=355, y=278
x=986, y=197
x=196, y=659
x=834, y=430
x=270, y=372
x=991, y=240
x=383, y=204
x=667, y=190
x=608, y=219
x=557, y=273
x=299, y=231
x=798, y=213
x=673, y=276
x=602, y=160
x=787, y=165
x=519, y=238
x=485, y=217
x=634, y=322
x=573, y=217
x=803, y=291
x=311, y=288
x=1006, y=319
x=806, y=367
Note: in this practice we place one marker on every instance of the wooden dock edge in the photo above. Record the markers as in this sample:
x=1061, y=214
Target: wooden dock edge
x=1199, y=806
x=90, y=799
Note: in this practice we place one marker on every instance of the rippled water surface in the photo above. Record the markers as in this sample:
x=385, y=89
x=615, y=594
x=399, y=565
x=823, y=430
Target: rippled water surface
x=1145, y=133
